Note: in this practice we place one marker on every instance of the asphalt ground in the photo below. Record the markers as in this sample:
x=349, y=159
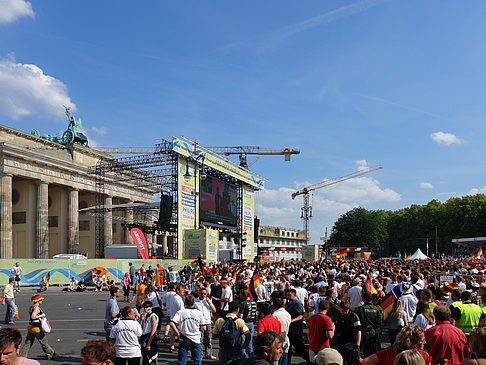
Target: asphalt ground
x=76, y=318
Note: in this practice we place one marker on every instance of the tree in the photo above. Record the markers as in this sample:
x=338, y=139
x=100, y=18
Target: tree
x=360, y=227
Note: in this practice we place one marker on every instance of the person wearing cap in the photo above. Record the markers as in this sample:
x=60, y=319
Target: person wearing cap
x=34, y=330
x=329, y=356
x=409, y=301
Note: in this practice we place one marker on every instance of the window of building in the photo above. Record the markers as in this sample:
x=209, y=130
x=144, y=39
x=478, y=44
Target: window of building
x=113, y=227
x=19, y=217
x=84, y=225
x=53, y=221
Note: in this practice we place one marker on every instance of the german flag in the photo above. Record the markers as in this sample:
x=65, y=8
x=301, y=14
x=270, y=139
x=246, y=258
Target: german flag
x=46, y=278
x=341, y=254
x=387, y=304
x=479, y=253
x=255, y=282
x=368, y=287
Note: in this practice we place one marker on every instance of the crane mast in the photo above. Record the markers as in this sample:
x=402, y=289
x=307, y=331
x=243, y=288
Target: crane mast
x=306, y=210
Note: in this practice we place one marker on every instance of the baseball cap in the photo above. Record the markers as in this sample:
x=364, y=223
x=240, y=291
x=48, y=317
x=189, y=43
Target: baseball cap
x=328, y=356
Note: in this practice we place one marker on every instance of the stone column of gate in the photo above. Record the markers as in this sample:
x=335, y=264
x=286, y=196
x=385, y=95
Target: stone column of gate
x=108, y=221
x=164, y=244
x=129, y=218
x=6, y=241
x=73, y=221
x=42, y=215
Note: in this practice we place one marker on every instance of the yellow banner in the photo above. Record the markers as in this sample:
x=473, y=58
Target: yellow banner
x=187, y=148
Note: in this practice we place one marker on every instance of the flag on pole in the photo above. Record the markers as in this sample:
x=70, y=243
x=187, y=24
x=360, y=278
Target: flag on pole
x=387, y=304
x=480, y=253
x=46, y=278
x=368, y=287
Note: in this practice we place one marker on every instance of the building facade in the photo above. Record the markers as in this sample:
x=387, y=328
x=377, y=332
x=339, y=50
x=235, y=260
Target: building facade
x=279, y=243
x=43, y=185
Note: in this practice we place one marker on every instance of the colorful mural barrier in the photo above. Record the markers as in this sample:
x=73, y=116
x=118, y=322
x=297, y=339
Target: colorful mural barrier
x=33, y=270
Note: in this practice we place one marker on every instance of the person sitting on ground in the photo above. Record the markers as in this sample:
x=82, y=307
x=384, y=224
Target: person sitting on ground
x=98, y=283
x=10, y=340
x=72, y=284
x=98, y=352
x=81, y=286
x=42, y=286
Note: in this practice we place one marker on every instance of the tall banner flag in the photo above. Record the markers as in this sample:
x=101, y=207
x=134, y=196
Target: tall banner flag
x=46, y=278
x=139, y=240
x=255, y=282
x=387, y=304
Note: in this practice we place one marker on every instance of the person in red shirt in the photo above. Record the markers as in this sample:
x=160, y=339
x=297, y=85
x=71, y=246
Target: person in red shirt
x=268, y=322
x=411, y=337
x=142, y=272
x=445, y=341
x=321, y=330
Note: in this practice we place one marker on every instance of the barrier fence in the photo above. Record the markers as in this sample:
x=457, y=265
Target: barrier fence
x=61, y=271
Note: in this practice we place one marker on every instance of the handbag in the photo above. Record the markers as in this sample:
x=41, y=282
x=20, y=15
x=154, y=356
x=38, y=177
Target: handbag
x=45, y=326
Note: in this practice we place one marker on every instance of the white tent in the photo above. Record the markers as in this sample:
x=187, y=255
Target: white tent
x=418, y=255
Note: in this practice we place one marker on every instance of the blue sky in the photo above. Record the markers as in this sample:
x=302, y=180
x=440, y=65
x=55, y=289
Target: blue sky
x=349, y=83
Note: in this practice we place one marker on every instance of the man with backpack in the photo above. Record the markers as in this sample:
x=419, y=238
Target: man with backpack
x=249, y=312
x=229, y=330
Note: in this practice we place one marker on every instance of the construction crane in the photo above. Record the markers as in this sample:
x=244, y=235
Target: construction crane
x=242, y=151
x=306, y=210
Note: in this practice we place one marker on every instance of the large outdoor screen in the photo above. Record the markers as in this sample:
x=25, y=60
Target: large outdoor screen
x=218, y=202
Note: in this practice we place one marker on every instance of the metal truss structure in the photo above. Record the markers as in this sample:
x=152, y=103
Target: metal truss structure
x=156, y=170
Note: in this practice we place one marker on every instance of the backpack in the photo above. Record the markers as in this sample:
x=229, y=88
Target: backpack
x=229, y=335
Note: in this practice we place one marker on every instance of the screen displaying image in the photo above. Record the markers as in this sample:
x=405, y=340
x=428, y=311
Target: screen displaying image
x=218, y=202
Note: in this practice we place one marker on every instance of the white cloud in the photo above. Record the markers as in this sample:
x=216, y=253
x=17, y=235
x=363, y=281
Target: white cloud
x=26, y=90
x=11, y=10
x=446, y=139
x=276, y=207
x=101, y=131
x=362, y=164
x=425, y=185
x=475, y=191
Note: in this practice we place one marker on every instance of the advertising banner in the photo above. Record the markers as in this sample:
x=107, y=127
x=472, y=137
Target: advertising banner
x=212, y=245
x=140, y=242
x=310, y=253
x=247, y=221
x=188, y=203
x=201, y=242
x=188, y=148
x=194, y=243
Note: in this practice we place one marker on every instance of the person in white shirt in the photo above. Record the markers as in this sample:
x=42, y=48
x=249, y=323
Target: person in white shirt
x=187, y=324
x=148, y=342
x=124, y=336
x=284, y=318
x=226, y=297
x=355, y=294
x=409, y=301
x=176, y=304
x=206, y=307
x=16, y=272
x=302, y=294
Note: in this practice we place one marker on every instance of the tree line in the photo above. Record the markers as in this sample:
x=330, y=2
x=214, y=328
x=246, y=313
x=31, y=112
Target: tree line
x=386, y=233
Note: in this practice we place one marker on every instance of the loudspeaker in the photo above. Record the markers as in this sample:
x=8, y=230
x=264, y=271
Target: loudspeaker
x=165, y=213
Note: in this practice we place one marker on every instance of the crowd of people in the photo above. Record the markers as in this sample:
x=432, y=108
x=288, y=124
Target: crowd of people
x=352, y=312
